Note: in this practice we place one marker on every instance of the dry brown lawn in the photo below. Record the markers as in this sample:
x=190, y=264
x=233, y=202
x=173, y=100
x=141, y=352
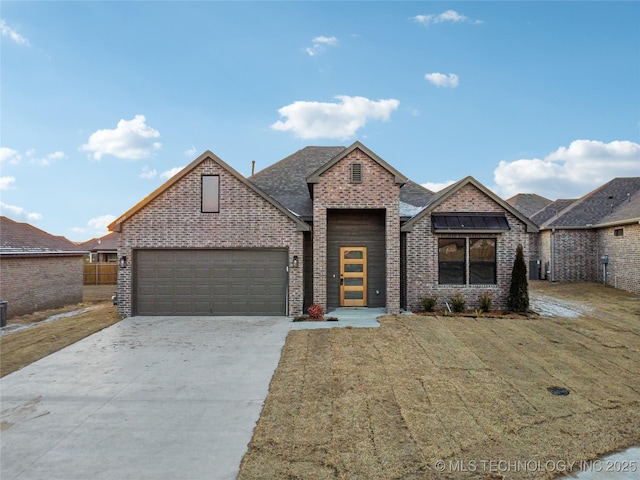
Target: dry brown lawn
x=389, y=403
x=42, y=337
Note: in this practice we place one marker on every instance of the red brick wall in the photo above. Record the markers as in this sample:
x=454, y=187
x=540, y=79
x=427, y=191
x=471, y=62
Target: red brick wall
x=422, y=253
x=245, y=220
x=378, y=190
x=29, y=284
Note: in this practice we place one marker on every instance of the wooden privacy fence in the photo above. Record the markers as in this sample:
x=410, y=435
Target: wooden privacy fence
x=100, y=274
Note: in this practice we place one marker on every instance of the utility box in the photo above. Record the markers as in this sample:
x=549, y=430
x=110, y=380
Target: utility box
x=535, y=272
x=3, y=313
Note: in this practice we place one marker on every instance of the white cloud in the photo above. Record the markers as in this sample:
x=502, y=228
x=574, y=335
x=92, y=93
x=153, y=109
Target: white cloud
x=10, y=156
x=442, y=80
x=100, y=223
x=97, y=227
x=190, y=152
x=130, y=140
x=450, y=16
x=5, y=182
x=436, y=187
x=170, y=173
x=319, y=45
x=147, y=172
x=19, y=213
x=340, y=120
x=47, y=159
x=569, y=172
x=10, y=33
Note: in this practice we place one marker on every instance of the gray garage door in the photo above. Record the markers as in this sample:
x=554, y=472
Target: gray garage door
x=210, y=282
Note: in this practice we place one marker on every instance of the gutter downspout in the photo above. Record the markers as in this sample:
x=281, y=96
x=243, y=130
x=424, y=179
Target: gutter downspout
x=553, y=255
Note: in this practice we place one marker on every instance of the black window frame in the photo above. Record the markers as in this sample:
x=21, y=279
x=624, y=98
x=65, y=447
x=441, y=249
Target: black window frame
x=477, y=267
x=205, y=196
x=618, y=232
x=467, y=271
x=449, y=268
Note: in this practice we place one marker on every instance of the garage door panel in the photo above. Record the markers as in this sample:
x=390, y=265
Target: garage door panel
x=165, y=290
x=210, y=282
x=201, y=289
x=182, y=290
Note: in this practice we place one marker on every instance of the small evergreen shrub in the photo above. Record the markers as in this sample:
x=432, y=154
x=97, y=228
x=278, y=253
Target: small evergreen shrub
x=428, y=302
x=457, y=303
x=485, y=301
x=518, y=300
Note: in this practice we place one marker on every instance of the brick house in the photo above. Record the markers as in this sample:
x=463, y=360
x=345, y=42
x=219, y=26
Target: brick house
x=37, y=270
x=333, y=225
x=595, y=238
x=101, y=250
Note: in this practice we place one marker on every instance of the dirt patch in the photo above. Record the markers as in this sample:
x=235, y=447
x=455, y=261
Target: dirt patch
x=451, y=397
x=28, y=338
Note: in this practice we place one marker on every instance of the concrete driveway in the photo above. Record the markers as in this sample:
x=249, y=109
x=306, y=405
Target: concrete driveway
x=157, y=398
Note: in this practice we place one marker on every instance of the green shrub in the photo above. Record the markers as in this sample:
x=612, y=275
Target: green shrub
x=457, y=303
x=518, y=300
x=485, y=301
x=428, y=302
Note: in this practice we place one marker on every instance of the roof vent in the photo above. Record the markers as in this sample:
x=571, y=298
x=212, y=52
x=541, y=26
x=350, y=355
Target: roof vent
x=356, y=173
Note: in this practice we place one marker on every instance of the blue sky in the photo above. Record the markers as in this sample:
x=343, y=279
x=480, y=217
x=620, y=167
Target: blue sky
x=102, y=101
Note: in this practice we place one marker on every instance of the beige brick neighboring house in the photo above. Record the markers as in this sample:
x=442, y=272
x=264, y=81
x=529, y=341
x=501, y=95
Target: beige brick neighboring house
x=595, y=238
x=338, y=226
x=37, y=270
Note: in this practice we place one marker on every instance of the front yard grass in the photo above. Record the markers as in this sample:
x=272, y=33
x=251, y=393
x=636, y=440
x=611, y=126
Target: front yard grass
x=389, y=403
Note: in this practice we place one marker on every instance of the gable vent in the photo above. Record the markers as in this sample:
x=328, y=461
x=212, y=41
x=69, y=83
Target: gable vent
x=356, y=173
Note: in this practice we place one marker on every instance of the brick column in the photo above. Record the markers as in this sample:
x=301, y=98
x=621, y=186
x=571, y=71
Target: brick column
x=320, y=256
x=392, y=237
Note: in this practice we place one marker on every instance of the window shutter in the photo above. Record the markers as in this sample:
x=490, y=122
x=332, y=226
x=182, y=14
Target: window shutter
x=356, y=173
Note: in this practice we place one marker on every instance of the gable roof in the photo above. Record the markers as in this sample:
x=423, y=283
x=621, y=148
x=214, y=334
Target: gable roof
x=447, y=192
x=26, y=240
x=615, y=202
x=552, y=210
x=107, y=242
x=415, y=194
x=528, y=203
x=286, y=180
x=116, y=226
x=315, y=176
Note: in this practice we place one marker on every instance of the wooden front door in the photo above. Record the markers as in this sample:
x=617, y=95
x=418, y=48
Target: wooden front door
x=353, y=276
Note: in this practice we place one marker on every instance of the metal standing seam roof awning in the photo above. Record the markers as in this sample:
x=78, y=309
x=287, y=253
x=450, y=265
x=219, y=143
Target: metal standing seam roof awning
x=469, y=222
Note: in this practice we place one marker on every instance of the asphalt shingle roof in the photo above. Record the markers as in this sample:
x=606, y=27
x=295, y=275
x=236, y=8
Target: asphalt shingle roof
x=553, y=209
x=108, y=242
x=24, y=239
x=614, y=201
x=528, y=203
x=286, y=181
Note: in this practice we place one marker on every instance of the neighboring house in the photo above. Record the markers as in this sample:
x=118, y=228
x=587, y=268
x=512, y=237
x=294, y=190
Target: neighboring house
x=528, y=203
x=595, y=238
x=100, y=266
x=101, y=250
x=330, y=225
x=37, y=270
